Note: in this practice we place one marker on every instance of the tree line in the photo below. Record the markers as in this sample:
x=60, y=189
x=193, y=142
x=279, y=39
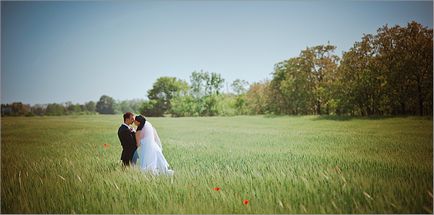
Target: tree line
x=105, y=105
x=388, y=73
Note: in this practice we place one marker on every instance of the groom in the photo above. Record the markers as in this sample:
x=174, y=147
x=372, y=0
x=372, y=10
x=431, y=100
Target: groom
x=127, y=136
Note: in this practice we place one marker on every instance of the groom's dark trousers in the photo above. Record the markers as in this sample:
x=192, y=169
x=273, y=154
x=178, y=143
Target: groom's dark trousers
x=128, y=142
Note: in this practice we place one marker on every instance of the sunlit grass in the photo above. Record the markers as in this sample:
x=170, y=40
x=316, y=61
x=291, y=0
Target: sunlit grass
x=280, y=164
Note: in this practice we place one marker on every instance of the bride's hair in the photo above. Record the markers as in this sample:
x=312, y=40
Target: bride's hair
x=142, y=121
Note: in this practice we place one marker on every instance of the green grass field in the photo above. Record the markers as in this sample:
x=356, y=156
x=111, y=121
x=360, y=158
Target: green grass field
x=280, y=164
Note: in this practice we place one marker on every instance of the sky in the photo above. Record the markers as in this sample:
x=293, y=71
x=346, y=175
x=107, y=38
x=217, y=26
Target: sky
x=79, y=50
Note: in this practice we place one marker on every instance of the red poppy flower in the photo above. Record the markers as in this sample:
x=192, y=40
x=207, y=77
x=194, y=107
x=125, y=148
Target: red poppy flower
x=216, y=188
x=106, y=145
x=246, y=202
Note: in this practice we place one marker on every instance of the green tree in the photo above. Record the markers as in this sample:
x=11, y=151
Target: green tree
x=55, y=110
x=90, y=106
x=184, y=106
x=73, y=108
x=304, y=84
x=406, y=58
x=361, y=80
x=388, y=73
x=106, y=105
x=149, y=108
x=295, y=88
x=240, y=89
x=205, y=83
x=205, y=89
x=215, y=83
x=239, y=86
x=15, y=109
x=124, y=106
x=259, y=98
x=161, y=94
x=320, y=63
x=38, y=110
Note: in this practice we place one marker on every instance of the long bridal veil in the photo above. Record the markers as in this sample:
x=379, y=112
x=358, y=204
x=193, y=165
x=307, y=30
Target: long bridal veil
x=157, y=139
x=152, y=158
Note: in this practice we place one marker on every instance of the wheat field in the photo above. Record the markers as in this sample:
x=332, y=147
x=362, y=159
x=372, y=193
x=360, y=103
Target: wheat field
x=298, y=164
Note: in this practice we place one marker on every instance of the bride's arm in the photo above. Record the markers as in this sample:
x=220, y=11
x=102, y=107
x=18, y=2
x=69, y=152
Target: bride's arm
x=138, y=138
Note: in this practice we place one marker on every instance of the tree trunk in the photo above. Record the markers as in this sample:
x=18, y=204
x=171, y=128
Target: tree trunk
x=402, y=108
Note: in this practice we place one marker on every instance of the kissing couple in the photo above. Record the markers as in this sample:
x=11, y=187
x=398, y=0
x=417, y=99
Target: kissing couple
x=143, y=145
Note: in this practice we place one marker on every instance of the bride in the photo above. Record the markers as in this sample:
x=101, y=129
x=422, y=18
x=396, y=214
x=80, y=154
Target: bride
x=151, y=155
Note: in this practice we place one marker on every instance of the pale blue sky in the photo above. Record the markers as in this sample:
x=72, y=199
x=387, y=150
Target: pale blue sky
x=77, y=51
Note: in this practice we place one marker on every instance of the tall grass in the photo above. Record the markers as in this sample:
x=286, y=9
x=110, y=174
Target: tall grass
x=281, y=165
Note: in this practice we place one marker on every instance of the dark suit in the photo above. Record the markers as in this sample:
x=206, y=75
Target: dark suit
x=128, y=142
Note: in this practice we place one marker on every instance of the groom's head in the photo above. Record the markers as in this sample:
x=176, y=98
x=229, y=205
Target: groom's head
x=128, y=118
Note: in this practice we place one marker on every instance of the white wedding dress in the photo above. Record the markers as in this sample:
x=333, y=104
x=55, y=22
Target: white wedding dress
x=151, y=152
